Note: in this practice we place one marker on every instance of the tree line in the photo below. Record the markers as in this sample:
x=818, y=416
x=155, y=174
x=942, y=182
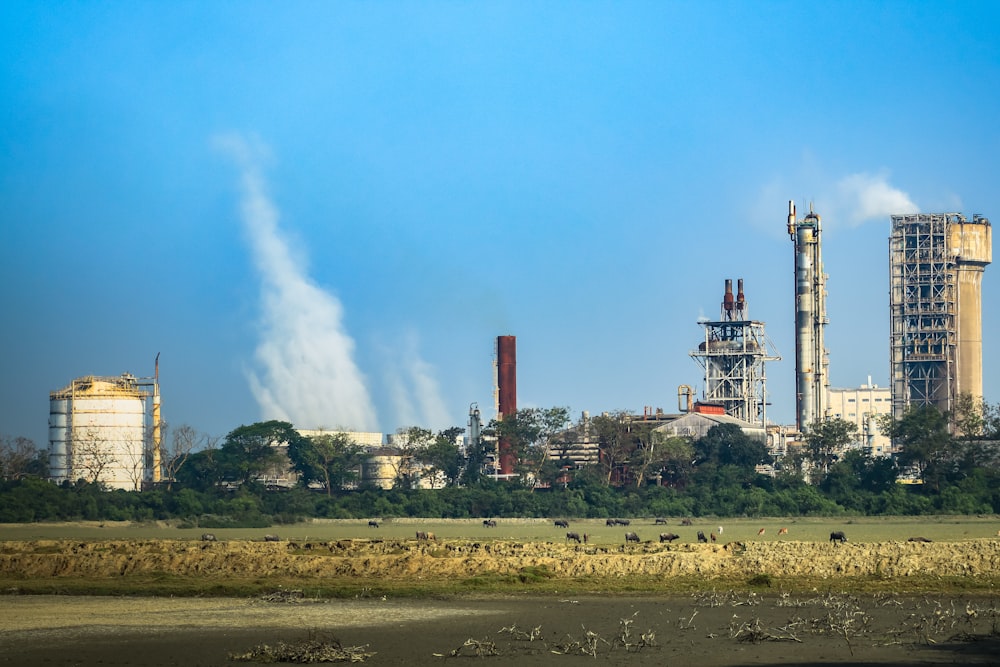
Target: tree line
x=951, y=461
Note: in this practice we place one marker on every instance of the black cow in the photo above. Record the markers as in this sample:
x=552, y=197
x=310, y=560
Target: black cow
x=272, y=538
x=660, y=521
x=631, y=537
x=918, y=539
x=489, y=523
x=701, y=536
x=207, y=537
x=611, y=522
x=372, y=523
x=573, y=536
x=562, y=523
x=838, y=536
x=668, y=537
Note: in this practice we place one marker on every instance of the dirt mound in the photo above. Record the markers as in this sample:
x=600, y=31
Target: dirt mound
x=399, y=559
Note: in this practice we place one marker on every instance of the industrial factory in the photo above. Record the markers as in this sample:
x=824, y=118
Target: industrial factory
x=107, y=429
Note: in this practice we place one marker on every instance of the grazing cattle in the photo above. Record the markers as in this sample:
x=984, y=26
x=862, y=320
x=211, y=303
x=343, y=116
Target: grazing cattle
x=421, y=535
x=372, y=523
x=208, y=537
x=562, y=523
x=685, y=522
x=272, y=538
x=838, y=537
x=712, y=535
x=918, y=539
x=760, y=532
x=489, y=523
x=431, y=536
x=720, y=530
x=660, y=521
x=573, y=536
x=668, y=537
x=610, y=522
x=631, y=537
x=701, y=536
x=782, y=531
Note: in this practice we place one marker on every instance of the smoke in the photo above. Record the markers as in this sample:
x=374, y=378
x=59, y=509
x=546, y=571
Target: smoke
x=416, y=396
x=305, y=367
x=863, y=197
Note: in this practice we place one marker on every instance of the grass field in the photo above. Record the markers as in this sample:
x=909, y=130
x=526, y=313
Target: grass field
x=857, y=529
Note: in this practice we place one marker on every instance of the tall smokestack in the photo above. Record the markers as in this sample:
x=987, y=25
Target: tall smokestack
x=811, y=360
x=506, y=395
x=728, y=302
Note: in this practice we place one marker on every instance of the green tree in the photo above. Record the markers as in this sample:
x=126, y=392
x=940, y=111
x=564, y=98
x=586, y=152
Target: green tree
x=924, y=442
x=825, y=440
x=443, y=457
x=674, y=456
x=616, y=443
x=332, y=459
x=532, y=433
x=250, y=452
x=727, y=444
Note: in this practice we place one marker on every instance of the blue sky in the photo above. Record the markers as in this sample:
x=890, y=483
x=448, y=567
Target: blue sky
x=326, y=212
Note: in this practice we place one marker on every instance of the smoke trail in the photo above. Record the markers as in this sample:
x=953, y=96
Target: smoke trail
x=413, y=388
x=870, y=197
x=307, y=373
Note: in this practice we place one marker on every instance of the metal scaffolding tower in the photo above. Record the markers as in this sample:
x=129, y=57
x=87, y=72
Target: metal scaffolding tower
x=936, y=262
x=733, y=355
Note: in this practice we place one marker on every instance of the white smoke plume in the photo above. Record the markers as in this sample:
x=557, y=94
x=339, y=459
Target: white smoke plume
x=415, y=393
x=305, y=358
x=863, y=197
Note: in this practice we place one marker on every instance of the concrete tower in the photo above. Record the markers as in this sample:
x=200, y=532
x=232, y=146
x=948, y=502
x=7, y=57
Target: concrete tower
x=936, y=264
x=733, y=355
x=811, y=357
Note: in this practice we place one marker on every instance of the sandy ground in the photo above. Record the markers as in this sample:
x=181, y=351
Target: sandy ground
x=707, y=629
x=405, y=559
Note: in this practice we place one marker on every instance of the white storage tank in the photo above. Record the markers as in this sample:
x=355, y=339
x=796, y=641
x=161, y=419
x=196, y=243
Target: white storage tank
x=97, y=432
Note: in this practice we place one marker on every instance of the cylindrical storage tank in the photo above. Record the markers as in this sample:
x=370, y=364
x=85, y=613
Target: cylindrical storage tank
x=58, y=438
x=104, y=427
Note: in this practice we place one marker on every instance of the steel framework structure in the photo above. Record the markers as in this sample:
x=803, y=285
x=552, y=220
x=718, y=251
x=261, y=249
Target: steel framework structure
x=936, y=263
x=733, y=355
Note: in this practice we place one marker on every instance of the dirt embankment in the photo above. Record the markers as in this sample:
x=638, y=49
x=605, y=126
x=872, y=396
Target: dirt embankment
x=401, y=559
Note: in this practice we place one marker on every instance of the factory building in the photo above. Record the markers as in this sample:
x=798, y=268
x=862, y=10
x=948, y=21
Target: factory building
x=811, y=357
x=936, y=264
x=733, y=354
x=97, y=432
x=862, y=406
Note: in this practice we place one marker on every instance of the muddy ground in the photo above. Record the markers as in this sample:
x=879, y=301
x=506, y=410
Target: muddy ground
x=716, y=626
x=703, y=629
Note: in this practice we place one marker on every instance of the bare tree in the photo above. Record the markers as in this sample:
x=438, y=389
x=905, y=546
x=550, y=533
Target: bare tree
x=17, y=454
x=92, y=455
x=184, y=440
